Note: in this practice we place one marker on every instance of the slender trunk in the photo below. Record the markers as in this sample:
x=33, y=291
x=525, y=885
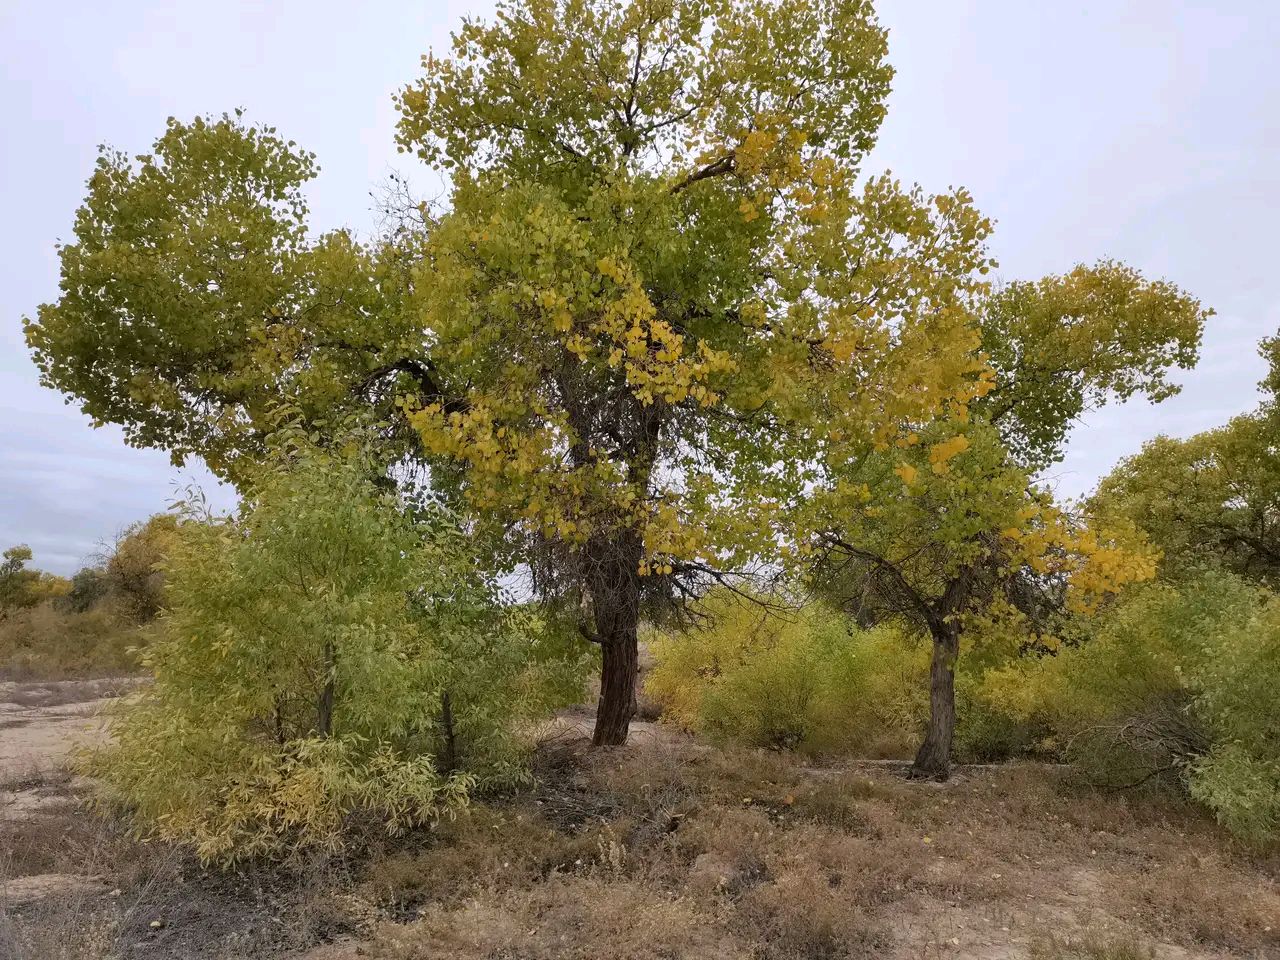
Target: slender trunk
x=324, y=709
x=449, y=759
x=618, y=667
x=277, y=718
x=933, y=761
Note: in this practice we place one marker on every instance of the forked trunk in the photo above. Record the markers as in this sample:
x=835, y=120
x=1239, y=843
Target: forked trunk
x=933, y=761
x=618, y=666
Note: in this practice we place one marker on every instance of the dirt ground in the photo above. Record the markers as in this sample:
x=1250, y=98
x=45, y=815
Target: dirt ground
x=41, y=722
x=663, y=850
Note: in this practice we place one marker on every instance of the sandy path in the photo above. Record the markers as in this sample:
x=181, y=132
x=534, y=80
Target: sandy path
x=41, y=723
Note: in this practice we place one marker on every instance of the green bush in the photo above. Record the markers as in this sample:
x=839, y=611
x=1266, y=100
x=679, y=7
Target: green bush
x=809, y=680
x=1178, y=684
x=327, y=657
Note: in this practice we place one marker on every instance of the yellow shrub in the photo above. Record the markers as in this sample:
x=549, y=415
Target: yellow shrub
x=809, y=680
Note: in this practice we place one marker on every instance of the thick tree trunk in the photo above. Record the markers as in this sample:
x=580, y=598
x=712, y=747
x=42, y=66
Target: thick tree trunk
x=933, y=761
x=619, y=663
x=614, y=586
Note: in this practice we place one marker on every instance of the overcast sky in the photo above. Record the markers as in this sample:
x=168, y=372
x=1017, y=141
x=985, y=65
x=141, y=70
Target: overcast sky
x=1145, y=131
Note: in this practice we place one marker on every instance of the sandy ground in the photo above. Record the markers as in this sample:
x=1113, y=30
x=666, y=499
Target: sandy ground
x=41, y=723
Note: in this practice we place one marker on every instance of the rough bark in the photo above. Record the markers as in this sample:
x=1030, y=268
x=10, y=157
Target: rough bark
x=617, y=704
x=614, y=585
x=933, y=761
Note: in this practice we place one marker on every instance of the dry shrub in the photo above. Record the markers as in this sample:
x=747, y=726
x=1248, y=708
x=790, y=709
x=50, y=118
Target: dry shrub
x=581, y=917
x=805, y=914
x=484, y=849
x=45, y=642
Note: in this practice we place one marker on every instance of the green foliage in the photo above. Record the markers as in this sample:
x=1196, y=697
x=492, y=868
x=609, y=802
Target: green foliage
x=22, y=587
x=193, y=302
x=1213, y=498
x=1064, y=345
x=1180, y=683
x=88, y=589
x=807, y=680
x=300, y=679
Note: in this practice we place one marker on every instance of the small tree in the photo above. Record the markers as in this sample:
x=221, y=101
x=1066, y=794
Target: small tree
x=16, y=580
x=944, y=523
x=133, y=570
x=1210, y=498
x=944, y=531
x=324, y=653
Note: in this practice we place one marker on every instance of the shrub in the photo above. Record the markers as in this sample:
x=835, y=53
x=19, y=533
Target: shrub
x=133, y=573
x=810, y=681
x=1179, y=683
x=46, y=643
x=327, y=655
x=89, y=588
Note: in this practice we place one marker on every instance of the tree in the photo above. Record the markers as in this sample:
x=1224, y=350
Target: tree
x=15, y=578
x=660, y=286
x=947, y=534
x=133, y=572
x=326, y=651
x=1211, y=498
x=22, y=587
x=945, y=526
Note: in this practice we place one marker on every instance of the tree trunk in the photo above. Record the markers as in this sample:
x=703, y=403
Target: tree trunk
x=933, y=761
x=449, y=758
x=324, y=709
x=618, y=666
x=613, y=582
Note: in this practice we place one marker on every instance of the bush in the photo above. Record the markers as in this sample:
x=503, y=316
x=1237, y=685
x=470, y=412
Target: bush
x=809, y=681
x=1180, y=684
x=133, y=574
x=46, y=643
x=327, y=656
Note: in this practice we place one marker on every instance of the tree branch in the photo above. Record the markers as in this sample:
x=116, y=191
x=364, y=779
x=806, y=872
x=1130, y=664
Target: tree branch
x=718, y=168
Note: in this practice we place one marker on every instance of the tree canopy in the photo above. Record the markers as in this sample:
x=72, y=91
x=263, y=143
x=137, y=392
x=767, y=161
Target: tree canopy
x=660, y=284
x=1212, y=498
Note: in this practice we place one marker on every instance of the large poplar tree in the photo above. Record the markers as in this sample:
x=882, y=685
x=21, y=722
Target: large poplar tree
x=661, y=285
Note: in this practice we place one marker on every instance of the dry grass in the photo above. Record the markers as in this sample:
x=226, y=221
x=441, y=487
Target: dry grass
x=674, y=850
x=46, y=643
x=1091, y=948
x=750, y=855
x=74, y=886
